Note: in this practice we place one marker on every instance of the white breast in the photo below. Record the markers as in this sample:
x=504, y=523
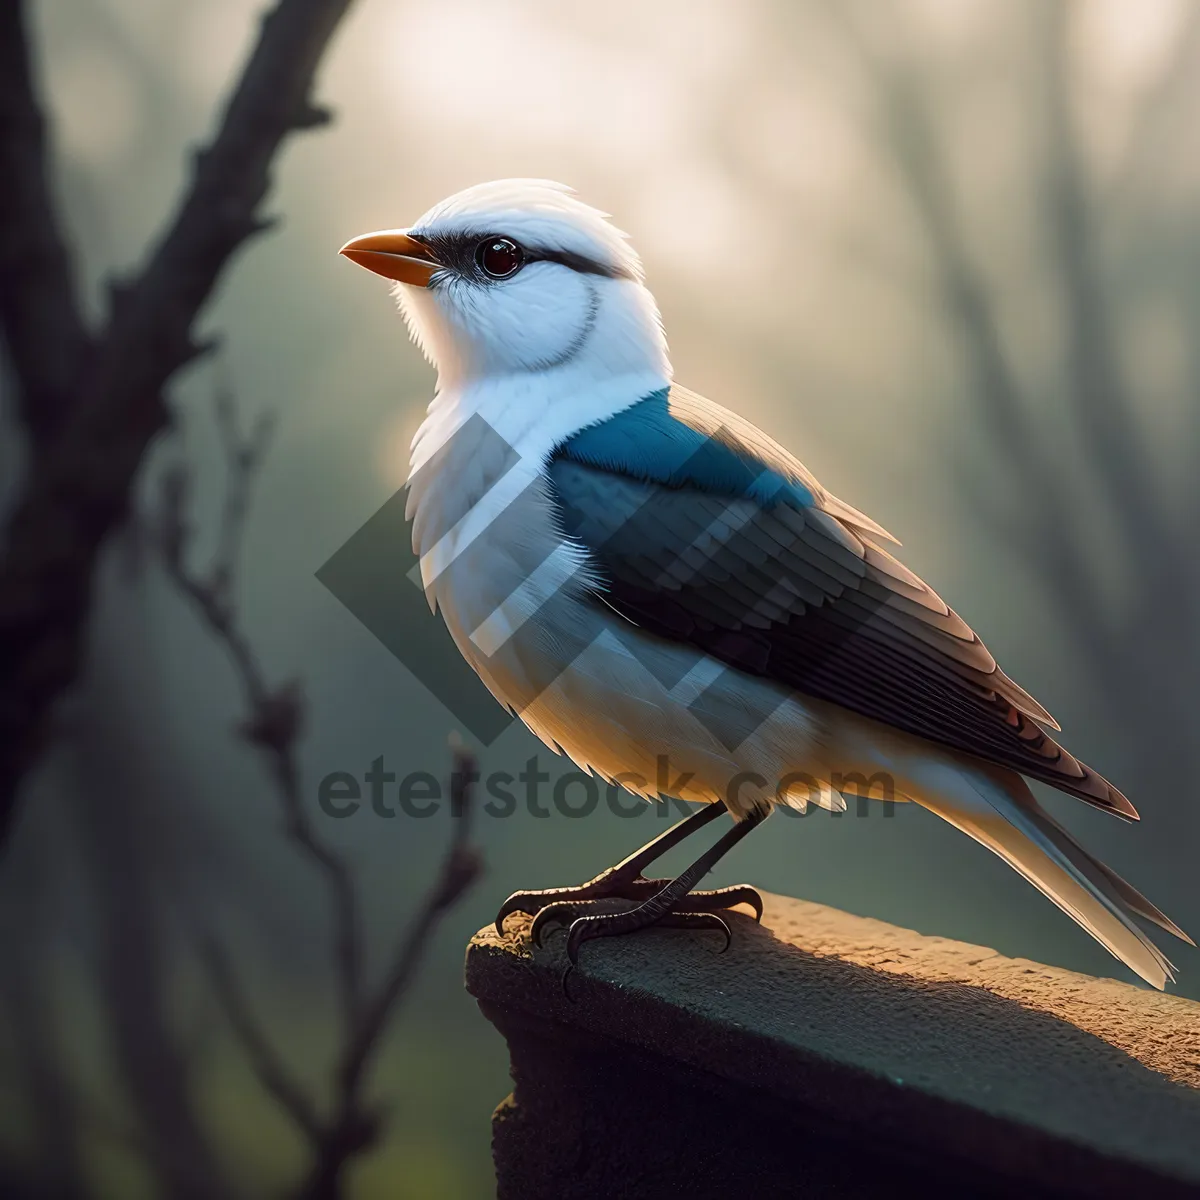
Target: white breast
x=518, y=600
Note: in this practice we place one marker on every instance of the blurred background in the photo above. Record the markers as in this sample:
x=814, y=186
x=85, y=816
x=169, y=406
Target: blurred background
x=945, y=250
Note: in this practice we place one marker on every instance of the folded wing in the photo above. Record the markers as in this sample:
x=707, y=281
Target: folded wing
x=767, y=572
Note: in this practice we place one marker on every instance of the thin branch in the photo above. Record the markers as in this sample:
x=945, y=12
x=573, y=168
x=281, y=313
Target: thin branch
x=243, y=454
x=39, y=310
x=79, y=493
x=275, y=715
x=263, y=1058
x=460, y=868
x=354, y=1125
x=274, y=727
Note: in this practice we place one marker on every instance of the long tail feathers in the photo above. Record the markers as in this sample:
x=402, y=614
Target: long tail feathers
x=998, y=810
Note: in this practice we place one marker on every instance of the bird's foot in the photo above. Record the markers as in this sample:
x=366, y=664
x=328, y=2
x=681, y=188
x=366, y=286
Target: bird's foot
x=698, y=910
x=613, y=883
x=563, y=904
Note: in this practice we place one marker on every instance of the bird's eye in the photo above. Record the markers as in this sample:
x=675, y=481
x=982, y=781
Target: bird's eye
x=499, y=257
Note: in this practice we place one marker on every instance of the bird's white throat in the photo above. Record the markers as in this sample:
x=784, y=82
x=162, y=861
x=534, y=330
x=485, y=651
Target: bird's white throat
x=620, y=358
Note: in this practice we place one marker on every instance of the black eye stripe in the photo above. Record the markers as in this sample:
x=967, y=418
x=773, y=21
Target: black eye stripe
x=576, y=262
x=458, y=252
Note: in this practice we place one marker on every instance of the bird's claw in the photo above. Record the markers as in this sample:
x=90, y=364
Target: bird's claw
x=700, y=920
x=550, y=906
x=605, y=886
x=553, y=904
x=723, y=899
x=536, y=901
x=699, y=903
x=558, y=911
x=563, y=983
x=515, y=903
x=585, y=929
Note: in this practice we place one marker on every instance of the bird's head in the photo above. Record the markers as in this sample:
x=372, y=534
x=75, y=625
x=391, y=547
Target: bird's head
x=515, y=276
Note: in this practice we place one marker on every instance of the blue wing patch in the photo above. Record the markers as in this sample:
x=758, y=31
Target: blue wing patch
x=650, y=443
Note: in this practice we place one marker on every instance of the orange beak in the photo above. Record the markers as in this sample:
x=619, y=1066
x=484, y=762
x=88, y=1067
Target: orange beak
x=394, y=255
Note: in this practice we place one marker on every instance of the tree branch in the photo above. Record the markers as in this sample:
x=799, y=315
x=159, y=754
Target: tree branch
x=79, y=491
x=354, y=1125
x=39, y=312
x=273, y=726
x=460, y=868
x=262, y=1056
x=275, y=716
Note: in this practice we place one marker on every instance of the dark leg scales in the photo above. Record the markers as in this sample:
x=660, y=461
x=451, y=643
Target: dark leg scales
x=578, y=932
x=583, y=929
x=640, y=890
x=670, y=904
x=613, y=881
x=604, y=887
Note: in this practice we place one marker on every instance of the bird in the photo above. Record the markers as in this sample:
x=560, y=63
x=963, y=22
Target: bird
x=666, y=595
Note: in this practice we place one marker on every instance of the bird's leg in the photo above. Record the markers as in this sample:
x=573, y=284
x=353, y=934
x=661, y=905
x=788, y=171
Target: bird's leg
x=624, y=881
x=672, y=906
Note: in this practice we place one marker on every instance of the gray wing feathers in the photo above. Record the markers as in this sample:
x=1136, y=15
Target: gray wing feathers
x=707, y=568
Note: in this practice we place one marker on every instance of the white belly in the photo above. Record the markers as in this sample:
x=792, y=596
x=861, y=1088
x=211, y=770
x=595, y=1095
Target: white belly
x=654, y=716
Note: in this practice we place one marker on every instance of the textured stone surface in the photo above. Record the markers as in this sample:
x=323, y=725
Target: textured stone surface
x=829, y=1054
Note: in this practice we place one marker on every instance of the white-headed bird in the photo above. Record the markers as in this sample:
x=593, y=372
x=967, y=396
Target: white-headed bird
x=666, y=595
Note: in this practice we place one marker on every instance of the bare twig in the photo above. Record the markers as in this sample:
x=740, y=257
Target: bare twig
x=274, y=715
x=264, y=1060
x=243, y=454
x=459, y=870
x=274, y=725
x=354, y=1125
x=93, y=407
